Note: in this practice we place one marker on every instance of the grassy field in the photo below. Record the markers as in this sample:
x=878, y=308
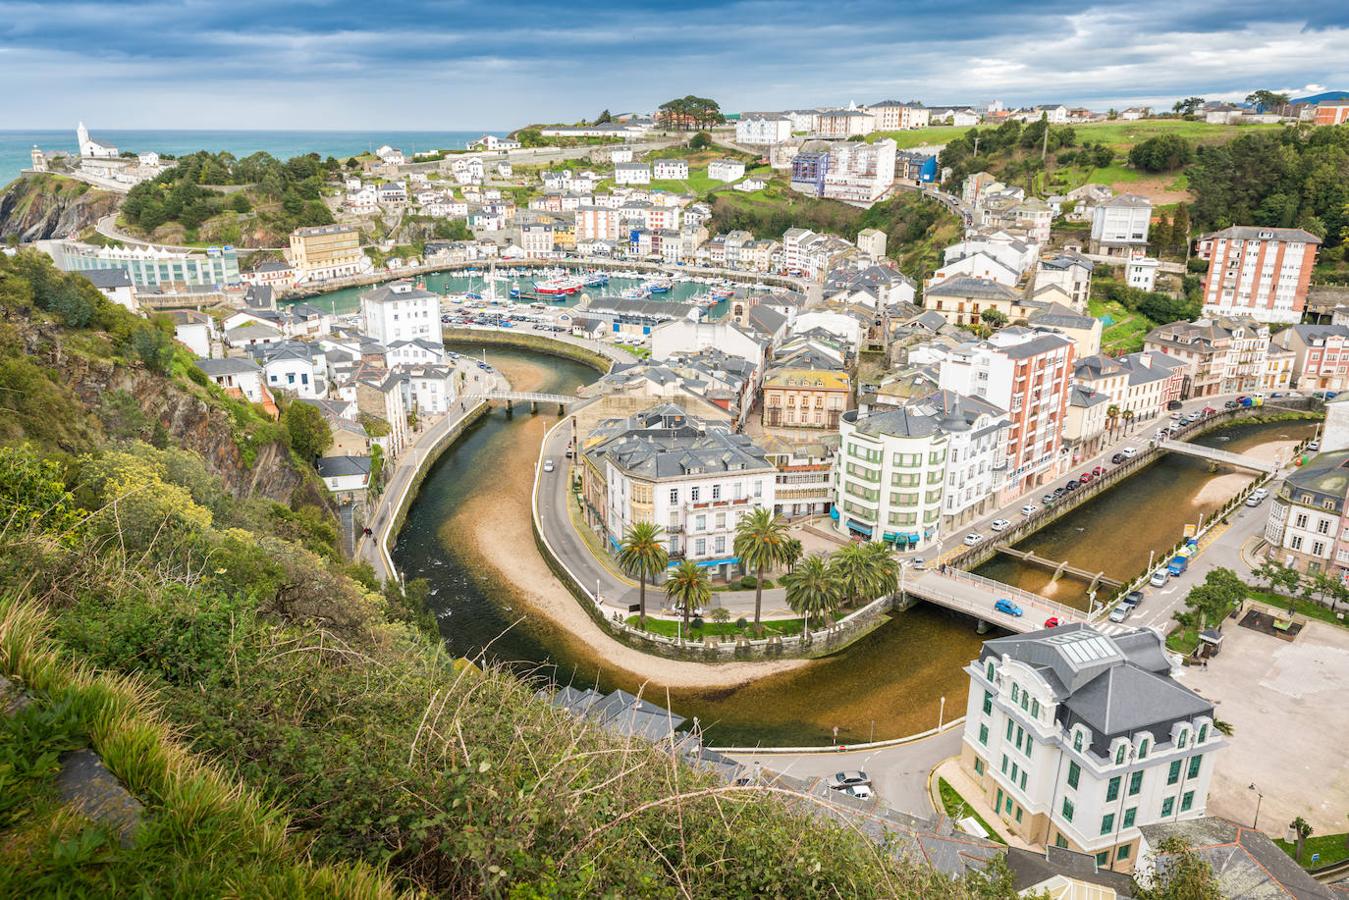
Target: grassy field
x=670, y=627
x=1126, y=330
x=1119, y=135
x=1332, y=849
x=956, y=807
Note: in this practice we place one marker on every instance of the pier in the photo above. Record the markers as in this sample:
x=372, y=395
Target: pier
x=1061, y=568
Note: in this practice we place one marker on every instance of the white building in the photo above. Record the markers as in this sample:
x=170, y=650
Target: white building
x=237, y=376
x=687, y=335
x=429, y=390
x=91, y=148
x=694, y=478
x=116, y=285
x=401, y=311
x=889, y=476
x=1263, y=273
x=1141, y=272
x=670, y=169
x=632, y=173
x=725, y=170
x=391, y=155
x=1119, y=225
x=762, y=128
x=1078, y=739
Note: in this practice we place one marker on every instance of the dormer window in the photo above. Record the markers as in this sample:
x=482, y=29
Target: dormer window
x=1016, y=692
x=1183, y=738
x=989, y=670
x=1203, y=734
x=1143, y=748
x=1119, y=754
x=1077, y=740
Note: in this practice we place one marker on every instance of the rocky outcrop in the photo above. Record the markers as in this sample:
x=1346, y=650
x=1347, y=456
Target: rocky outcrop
x=43, y=207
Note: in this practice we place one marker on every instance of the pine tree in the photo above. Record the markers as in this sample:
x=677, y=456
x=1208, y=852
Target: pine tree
x=1161, y=235
x=1180, y=229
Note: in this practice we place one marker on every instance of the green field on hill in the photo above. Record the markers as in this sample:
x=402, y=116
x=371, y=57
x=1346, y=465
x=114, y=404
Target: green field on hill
x=1117, y=134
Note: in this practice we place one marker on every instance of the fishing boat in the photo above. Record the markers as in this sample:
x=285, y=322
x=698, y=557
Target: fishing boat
x=596, y=279
x=657, y=286
x=721, y=293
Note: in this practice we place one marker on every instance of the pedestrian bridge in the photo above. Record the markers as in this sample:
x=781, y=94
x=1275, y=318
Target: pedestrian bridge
x=523, y=397
x=1221, y=456
x=975, y=595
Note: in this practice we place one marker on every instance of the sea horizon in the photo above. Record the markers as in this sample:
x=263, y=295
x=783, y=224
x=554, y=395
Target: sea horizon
x=16, y=144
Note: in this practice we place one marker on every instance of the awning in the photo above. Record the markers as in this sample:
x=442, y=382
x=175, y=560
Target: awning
x=833, y=514
x=613, y=542
x=859, y=527
x=713, y=563
x=891, y=537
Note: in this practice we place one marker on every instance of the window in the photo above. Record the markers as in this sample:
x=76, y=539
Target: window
x=1194, y=766
x=1016, y=692
x=983, y=735
x=1168, y=805
x=1030, y=745
x=716, y=492
x=1035, y=708
x=978, y=766
x=1119, y=754
x=720, y=544
x=1074, y=775
x=1067, y=810
x=694, y=493
x=1186, y=801
x=1077, y=741
x=1060, y=841
x=1112, y=789
x=1103, y=858
x=700, y=547
x=1010, y=725
x=1183, y=739
x=1203, y=734
x=1107, y=823
x=1173, y=774
x=998, y=805
x=1015, y=772
x=1135, y=783
x=700, y=523
x=1023, y=779
x=1143, y=749
x=1025, y=700
x=988, y=702
x=1129, y=815
x=1122, y=853
x=1004, y=763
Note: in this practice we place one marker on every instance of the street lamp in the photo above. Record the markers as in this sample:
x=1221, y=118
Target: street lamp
x=1258, y=798
x=941, y=713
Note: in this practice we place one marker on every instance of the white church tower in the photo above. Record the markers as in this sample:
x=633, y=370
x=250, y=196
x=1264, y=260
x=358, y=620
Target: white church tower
x=92, y=148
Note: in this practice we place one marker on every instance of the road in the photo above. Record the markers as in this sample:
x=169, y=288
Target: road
x=898, y=774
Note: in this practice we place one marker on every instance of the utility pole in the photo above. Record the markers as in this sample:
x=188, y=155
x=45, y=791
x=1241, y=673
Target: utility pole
x=1044, y=144
x=976, y=143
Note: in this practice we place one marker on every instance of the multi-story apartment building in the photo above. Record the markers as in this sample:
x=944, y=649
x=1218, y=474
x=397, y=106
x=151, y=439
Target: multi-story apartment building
x=694, y=478
x=805, y=398
x=670, y=169
x=1078, y=740
x=725, y=170
x=1119, y=226
x=1087, y=421
x=762, y=128
x=401, y=311
x=597, y=223
x=963, y=299
x=976, y=454
x=1139, y=385
x=845, y=170
x=1263, y=273
x=805, y=482
x=1026, y=373
x=632, y=173
x=1307, y=527
x=891, y=115
x=1320, y=356
x=327, y=251
x=152, y=266
x=890, y=477
x=841, y=124
x=1224, y=355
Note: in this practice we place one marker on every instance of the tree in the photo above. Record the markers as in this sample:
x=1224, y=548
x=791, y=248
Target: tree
x=1211, y=600
x=994, y=318
x=1302, y=830
x=1185, y=876
x=793, y=553
x=1180, y=229
x=684, y=113
x=1189, y=106
x=853, y=569
x=309, y=432
x=1112, y=412
x=1163, y=153
x=688, y=587
x=603, y=118
x=813, y=588
x=642, y=555
x=761, y=543
x=1267, y=100
x=700, y=141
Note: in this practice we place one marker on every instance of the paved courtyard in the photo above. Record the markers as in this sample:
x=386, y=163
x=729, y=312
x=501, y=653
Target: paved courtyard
x=1286, y=703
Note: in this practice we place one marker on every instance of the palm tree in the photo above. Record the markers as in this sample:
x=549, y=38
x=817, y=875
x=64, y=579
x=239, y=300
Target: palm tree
x=1128, y=415
x=794, y=551
x=761, y=543
x=642, y=555
x=855, y=568
x=1301, y=830
x=1112, y=413
x=688, y=586
x=884, y=570
x=813, y=588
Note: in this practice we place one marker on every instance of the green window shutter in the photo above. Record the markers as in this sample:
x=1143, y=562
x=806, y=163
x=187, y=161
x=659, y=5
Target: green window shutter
x=1112, y=789
x=1107, y=823
x=1074, y=774
x=1173, y=774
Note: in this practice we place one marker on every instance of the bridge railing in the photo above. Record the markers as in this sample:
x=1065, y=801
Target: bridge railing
x=1013, y=593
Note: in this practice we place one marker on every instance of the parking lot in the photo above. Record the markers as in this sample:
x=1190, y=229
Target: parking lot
x=1285, y=702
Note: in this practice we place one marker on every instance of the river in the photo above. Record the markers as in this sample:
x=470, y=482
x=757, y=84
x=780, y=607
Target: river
x=468, y=533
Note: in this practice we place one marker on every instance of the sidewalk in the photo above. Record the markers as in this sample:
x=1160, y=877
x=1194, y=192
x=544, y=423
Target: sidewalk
x=964, y=785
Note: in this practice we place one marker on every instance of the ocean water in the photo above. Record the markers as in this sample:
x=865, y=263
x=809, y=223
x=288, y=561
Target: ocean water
x=16, y=146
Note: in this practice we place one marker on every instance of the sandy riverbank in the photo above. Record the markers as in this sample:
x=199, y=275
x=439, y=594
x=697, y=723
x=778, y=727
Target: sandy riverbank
x=493, y=528
x=1224, y=487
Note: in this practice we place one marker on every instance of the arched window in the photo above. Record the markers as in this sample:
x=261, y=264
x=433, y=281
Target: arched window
x=1143, y=749
x=1119, y=754
x=1035, y=707
x=1203, y=734
x=1182, y=738
x=1077, y=740
x=1016, y=692
x=990, y=670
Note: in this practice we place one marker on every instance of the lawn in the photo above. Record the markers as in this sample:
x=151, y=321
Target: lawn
x=1125, y=331
x=957, y=808
x=1332, y=849
x=1119, y=135
x=670, y=627
x=1309, y=608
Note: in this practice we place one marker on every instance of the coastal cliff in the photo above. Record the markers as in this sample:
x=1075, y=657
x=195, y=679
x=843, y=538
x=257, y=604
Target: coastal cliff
x=42, y=207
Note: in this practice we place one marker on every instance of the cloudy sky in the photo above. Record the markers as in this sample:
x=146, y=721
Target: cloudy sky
x=456, y=64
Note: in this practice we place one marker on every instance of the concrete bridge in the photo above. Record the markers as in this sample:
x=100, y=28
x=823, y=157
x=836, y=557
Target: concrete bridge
x=975, y=595
x=531, y=397
x=1219, y=456
x=1061, y=568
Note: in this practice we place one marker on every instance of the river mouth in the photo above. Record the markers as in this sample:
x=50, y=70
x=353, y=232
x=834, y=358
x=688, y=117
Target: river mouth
x=468, y=532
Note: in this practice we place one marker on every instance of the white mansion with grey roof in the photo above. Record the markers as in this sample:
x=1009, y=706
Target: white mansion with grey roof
x=1080, y=740
x=694, y=478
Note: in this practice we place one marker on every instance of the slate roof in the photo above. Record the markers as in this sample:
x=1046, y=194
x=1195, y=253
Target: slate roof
x=385, y=293
x=968, y=286
x=903, y=422
x=338, y=466
x=1056, y=315
x=1253, y=232
x=1245, y=862
x=1066, y=261
x=230, y=365
x=108, y=279
x=665, y=442
x=1030, y=868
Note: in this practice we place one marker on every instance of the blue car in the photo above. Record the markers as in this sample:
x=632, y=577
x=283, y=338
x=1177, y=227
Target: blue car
x=1007, y=606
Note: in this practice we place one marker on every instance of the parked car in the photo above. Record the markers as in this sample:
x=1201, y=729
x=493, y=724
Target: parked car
x=1071, y=486
x=1253, y=500
x=1133, y=598
x=918, y=563
x=1121, y=612
x=1098, y=471
x=1314, y=446
x=1173, y=404
x=1262, y=493
x=973, y=538
x=1118, y=458
x=1208, y=410
x=1085, y=477
x=999, y=524
x=857, y=792
x=1129, y=452
x=1158, y=578
x=1007, y=606
x=1231, y=404
x=548, y=465
x=849, y=778
x=1029, y=509
x=1052, y=622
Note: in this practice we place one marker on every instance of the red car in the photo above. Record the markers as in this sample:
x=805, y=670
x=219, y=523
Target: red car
x=1098, y=471
x=1052, y=622
x=1086, y=476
